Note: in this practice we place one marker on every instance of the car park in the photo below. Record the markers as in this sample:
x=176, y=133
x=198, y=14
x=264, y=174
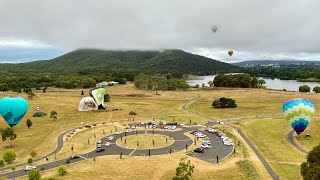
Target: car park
x=99, y=149
x=107, y=144
x=28, y=168
x=199, y=150
x=110, y=138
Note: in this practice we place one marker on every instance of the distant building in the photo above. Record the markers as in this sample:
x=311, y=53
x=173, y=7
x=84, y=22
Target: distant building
x=104, y=84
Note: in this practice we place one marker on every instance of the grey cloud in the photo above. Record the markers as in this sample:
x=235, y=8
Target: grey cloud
x=253, y=27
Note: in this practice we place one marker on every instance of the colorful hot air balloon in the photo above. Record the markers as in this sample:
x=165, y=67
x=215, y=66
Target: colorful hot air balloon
x=98, y=95
x=299, y=113
x=230, y=52
x=12, y=109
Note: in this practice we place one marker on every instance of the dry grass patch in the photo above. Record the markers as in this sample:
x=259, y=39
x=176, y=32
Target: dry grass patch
x=145, y=141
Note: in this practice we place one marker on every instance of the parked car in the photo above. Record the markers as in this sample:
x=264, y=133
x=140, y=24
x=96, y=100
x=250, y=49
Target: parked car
x=107, y=144
x=133, y=127
x=201, y=135
x=74, y=156
x=99, y=141
x=182, y=124
x=154, y=126
x=99, y=149
x=205, y=146
x=308, y=137
x=110, y=138
x=199, y=150
x=118, y=132
x=28, y=168
x=128, y=130
x=193, y=131
x=169, y=127
x=173, y=127
x=98, y=145
x=206, y=142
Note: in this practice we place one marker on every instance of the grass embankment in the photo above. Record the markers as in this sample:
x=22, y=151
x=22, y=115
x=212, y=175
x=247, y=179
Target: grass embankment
x=270, y=138
x=145, y=141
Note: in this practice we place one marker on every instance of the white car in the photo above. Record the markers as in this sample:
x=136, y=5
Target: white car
x=99, y=141
x=227, y=140
x=107, y=144
x=169, y=127
x=201, y=135
x=98, y=145
x=228, y=143
x=182, y=124
x=154, y=126
x=206, y=142
x=206, y=146
x=28, y=168
x=128, y=130
x=133, y=127
x=110, y=138
x=173, y=127
x=118, y=132
x=222, y=122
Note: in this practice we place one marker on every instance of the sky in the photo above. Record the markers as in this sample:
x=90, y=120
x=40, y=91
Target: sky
x=253, y=29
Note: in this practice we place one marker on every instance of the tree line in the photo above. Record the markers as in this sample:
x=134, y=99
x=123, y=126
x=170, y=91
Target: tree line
x=237, y=80
x=160, y=82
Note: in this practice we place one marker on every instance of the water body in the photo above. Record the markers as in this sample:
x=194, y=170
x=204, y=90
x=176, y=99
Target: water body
x=289, y=85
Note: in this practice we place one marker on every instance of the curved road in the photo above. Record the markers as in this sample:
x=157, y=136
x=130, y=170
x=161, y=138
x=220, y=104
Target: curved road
x=255, y=150
x=295, y=143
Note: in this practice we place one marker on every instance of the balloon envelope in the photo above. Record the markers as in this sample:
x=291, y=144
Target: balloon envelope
x=87, y=104
x=214, y=28
x=12, y=109
x=299, y=113
x=230, y=52
x=98, y=95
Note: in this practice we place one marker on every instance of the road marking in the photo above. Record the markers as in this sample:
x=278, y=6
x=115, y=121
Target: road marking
x=132, y=152
x=83, y=157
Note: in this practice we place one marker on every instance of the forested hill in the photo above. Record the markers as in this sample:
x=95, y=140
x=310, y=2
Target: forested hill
x=90, y=61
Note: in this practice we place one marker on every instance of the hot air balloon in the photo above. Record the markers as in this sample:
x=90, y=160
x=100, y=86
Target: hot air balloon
x=230, y=52
x=98, y=95
x=299, y=113
x=87, y=104
x=12, y=109
x=214, y=29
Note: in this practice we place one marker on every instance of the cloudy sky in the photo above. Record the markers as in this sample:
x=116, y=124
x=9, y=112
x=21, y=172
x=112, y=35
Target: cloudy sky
x=254, y=29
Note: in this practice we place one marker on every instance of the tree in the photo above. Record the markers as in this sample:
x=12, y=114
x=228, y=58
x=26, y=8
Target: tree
x=29, y=123
x=203, y=84
x=33, y=153
x=261, y=82
x=53, y=115
x=224, y=103
x=184, y=170
x=304, y=88
x=9, y=156
x=310, y=169
x=68, y=161
x=13, y=168
x=210, y=83
x=316, y=89
x=30, y=94
x=2, y=164
x=30, y=161
x=8, y=134
x=34, y=174
x=62, y=170
x=196, y=86
x=82, y=93
x=44, y=90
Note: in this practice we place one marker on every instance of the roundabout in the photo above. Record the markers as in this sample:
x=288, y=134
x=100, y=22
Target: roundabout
x=145, y=141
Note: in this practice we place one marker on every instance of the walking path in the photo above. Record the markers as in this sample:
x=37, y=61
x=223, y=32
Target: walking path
x=296, y=144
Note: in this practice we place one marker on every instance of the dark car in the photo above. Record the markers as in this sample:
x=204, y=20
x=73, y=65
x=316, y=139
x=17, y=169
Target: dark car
x=99, y=149
x=193, y=131
x=74, y=156
x=199, y=150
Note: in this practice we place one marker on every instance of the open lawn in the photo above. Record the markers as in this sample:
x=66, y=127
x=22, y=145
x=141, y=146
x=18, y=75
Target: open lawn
x=270, y=138
x=146, y=141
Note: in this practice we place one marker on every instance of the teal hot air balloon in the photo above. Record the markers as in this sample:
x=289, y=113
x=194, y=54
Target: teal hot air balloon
x=12, y=109
x=299, y=113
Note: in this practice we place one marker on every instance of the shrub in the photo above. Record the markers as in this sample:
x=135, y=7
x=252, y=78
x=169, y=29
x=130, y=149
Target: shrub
x=30, y=161
x=34, y=174
x=224, y=103
x=62, y=170
x=9, y=156
x=304, y=88
x=132, y=113
x=316, y=89
x=39, y=114
x=29, y=123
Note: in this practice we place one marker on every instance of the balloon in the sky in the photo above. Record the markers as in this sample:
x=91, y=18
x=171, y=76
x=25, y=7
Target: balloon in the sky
x=87, y=104
x=230, y=52
x=98, y=95
x=12, y=109
x=214, y=28
x=299, y=113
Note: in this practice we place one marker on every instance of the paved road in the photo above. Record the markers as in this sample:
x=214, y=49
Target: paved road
x=255, y=150
x=295, y=144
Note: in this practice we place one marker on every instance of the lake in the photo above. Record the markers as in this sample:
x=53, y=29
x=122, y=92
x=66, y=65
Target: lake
x=289, y=85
